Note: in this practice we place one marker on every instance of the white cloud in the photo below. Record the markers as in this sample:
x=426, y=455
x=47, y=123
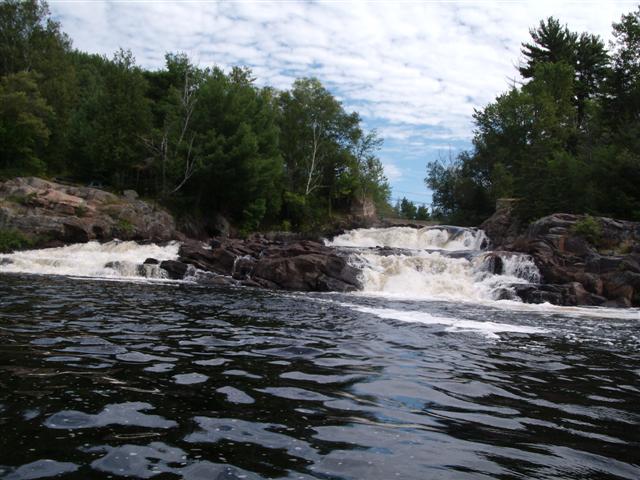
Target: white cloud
x=392, y=171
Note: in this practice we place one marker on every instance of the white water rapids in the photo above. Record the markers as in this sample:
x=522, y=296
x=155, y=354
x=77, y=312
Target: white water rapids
x=409, y=265
x=449, y=238
x=447, y=263
x=112, y=260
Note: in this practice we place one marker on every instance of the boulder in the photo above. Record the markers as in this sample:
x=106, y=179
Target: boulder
x=176, y=270
x=130, y=194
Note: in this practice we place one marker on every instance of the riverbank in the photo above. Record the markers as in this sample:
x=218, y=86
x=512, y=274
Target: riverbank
x=569, y=260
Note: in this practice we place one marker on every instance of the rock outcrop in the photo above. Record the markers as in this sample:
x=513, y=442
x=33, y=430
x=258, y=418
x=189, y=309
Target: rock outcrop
x=583, y=260
x=300, y=265
x=503, y=226
x=50, y=213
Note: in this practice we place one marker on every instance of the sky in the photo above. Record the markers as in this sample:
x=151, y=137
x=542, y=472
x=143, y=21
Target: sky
x=415, y=71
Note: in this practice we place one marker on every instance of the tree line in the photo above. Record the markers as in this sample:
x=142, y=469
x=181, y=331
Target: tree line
x=566, y=139
x=198, y=139
x=408, y=209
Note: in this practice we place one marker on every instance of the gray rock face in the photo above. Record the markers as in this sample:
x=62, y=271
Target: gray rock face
x=301, y=266
x=51, y=213
x=578, y=270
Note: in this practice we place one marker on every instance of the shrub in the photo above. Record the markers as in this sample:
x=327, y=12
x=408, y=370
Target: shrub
x=125, y=226
x=285, y=226
x=11, y=240
x=589, y=228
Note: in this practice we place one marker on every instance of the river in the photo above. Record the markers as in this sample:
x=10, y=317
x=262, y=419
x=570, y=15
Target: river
x=110, y=371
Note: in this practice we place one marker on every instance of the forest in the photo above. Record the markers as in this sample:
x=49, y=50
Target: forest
x=198, y=140
x=565, y=138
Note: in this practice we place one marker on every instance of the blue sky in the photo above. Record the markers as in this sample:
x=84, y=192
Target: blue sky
x=415, y=71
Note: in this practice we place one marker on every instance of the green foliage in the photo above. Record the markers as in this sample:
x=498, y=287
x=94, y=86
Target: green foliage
x=329, y=160
x=111, y=120
x=11, y=240
x=422, y=213
x=253, y=215
x=285, y=226
x=567, y=140
x=589, y=228
x=407, y=209
x=24, y=124
x=32, y=43
x=200, y=139
x=125, y=226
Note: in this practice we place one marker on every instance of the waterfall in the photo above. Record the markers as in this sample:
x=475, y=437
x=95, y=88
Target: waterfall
x=447, y=263
x=115, y=259
x=440, y=238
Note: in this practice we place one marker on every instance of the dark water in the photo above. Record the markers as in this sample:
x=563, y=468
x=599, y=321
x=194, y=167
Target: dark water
x=108, y=380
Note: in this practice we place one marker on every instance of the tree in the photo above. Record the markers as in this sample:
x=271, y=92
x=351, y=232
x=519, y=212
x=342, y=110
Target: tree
x=370, y=181
x=554, y=43
x=236, y=141
x=24, y=124
x=30, y=41
x=171, y=144
x=422, y=213
x=314, y=131
x=118, y=116
x=408, y=209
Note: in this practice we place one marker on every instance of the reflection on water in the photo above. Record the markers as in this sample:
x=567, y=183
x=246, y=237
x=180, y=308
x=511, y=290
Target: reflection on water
x=108, y=380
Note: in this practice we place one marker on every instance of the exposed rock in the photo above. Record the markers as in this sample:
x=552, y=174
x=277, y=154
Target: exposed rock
x=503, y=226
x=130, y=194
x=176, y=270
x=50, y=213
x=363, y=208
x=582, y=271
x=303, y=266
x=220, y=226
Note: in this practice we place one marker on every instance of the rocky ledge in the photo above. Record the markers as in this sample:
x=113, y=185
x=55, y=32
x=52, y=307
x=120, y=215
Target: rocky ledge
x=276, y=264
x=583, y=260
x=50, y=213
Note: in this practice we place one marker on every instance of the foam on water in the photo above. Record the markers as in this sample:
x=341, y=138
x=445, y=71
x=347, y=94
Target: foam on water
x=442, y=238
x=111, y=260
x=432, y=275
x=425, y=269
x=488, y=329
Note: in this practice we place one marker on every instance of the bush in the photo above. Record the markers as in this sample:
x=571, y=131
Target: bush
x=253, y=215
x=11, y=240
x=589, y=228
x=285, y=226
x=125, y=226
